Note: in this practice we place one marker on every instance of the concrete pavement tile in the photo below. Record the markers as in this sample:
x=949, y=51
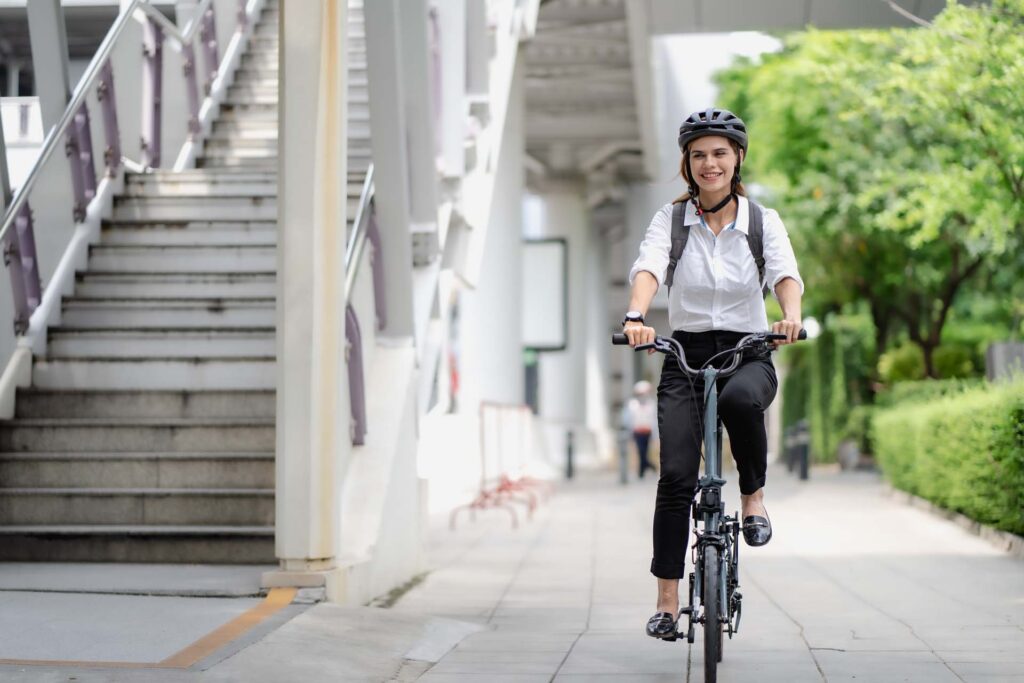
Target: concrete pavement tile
x=778, y=666
x=447, y=666
x=1015, y=655
x=971, y=670
x=618, y=678
x=884, y=667
x=108, y=628
x=639, y=654
x=483, y=678
x=459, y=655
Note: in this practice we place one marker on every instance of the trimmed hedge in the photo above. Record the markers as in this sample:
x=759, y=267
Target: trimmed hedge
x=963, y=452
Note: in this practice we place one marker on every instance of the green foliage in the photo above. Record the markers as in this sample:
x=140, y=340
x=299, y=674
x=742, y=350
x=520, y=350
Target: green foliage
x=901, y=363
x=925, y=391
x=964, y=452
x=895, y=163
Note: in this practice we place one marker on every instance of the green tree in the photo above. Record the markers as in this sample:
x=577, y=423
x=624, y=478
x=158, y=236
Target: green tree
x=897, y=160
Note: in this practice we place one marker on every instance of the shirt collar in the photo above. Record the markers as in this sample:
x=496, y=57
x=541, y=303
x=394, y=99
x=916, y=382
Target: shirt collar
x=742, y=215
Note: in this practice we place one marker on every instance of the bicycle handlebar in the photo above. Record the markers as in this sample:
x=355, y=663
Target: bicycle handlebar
x=671, y=346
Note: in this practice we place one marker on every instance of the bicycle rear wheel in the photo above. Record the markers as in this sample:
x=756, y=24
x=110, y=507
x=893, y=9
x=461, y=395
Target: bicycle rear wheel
x=712, y=614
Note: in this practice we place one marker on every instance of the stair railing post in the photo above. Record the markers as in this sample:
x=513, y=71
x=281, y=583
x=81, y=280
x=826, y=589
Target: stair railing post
x=83, y=135
x=111, y=131
x=191, y=88
x=23, y=226
x=72, y=150
x=152, y=93
x=208, y=36
x=356, y=384
x=376, y=255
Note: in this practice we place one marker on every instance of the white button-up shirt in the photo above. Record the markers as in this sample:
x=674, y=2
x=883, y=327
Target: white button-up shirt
x=716, y=283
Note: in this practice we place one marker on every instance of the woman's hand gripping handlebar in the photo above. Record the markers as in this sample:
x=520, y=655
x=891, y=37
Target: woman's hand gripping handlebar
x=672, y=347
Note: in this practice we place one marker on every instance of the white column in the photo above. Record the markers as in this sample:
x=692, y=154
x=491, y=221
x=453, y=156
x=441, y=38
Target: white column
x=49, y=59
x=598, y=334
x=452, y=17
x=418, y=101
x=13, y=78
x=562, y=374
x=490, y=328
x=312, y=386
x=390, y=160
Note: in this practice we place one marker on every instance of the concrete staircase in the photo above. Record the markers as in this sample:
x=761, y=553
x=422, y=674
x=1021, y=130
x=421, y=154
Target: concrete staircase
x=148, y=432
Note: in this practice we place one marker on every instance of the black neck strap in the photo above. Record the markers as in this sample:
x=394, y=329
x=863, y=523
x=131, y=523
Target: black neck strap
x=717, y=207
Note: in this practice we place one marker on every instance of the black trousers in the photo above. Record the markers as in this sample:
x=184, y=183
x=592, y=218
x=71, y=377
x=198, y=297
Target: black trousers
x=742, y=399
x=643, y=443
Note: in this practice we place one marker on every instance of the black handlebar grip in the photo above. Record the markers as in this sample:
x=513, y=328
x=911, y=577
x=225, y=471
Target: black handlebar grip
x=619, y=339
x=802, y=335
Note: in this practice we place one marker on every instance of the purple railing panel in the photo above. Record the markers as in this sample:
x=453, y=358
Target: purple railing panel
x=83, y=133
x=356, y=382
x=377, y=265
x=111, y=131
x=208, y=36
x=191, y=89
x=27, y=251
x=19, y=247
x=153, y=51
x=243, y=16
x=435, y=64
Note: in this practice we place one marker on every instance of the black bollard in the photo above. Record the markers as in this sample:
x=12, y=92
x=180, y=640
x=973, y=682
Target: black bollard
x=568, y=454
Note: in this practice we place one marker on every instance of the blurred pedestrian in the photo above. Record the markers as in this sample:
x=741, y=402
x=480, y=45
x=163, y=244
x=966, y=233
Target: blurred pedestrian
x=643, y=415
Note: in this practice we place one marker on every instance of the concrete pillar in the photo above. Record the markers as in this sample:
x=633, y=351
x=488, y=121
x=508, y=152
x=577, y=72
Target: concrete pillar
x=312, y=390
x=49, y=59
x=418, y=95
x=563, y=375
x=478, y=48
x=13, y=79
x=597, y=340
x=390, y=161
x=490, y=329
x=452, y=16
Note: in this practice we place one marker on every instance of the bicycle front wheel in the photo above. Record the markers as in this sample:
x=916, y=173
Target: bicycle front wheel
x=712, y=614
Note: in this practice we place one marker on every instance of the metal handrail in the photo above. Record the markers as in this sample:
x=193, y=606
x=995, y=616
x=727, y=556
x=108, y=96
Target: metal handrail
x=55, y=138
x=357, y=241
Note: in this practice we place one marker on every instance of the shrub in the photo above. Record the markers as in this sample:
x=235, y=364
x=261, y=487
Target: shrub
x=901, y=363
x=963, y=451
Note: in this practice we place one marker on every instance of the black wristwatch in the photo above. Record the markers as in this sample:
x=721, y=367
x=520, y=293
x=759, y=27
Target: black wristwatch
x=633, y=317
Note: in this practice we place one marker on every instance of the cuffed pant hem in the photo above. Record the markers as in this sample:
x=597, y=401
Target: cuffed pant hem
x=668, y=571
x=748, y=488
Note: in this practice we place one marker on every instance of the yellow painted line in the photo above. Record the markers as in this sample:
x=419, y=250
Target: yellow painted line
x=276, y=600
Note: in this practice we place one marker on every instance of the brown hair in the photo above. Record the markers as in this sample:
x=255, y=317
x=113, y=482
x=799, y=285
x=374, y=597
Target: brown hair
x=684, y=170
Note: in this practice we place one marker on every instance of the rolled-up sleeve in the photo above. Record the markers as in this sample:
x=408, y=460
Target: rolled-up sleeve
x=779, y=259
x=654, y=250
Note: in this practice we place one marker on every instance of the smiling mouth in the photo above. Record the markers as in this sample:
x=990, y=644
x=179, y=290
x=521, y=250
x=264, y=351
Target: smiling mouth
x=710, y=176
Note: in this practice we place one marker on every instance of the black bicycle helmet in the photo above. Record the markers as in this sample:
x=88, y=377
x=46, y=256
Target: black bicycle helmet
x=713, y=122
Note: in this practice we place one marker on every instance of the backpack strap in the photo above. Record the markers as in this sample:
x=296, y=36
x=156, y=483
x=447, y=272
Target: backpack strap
x=680, y=233
x=755, y=240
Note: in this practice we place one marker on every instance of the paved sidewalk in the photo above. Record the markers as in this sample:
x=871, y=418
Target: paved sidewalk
x=853, y=586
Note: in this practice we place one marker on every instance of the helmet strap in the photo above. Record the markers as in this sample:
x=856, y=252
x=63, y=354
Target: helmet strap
x=717, y=207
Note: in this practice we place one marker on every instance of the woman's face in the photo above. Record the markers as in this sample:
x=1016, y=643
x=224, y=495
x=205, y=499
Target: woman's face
x=713, y=163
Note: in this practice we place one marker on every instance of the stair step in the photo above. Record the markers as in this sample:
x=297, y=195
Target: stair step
x=175, y=285
x=79, y=343
x=222, y=207
x=137, y=506
x=183, y=374
x=266, y=144
x=236, y=162
x=138, y=434
x=123, y=543
x=148, y=470
x=44, y=403
x=144, y=235
x=254, y=185
x=184, y=259
x=165, y=313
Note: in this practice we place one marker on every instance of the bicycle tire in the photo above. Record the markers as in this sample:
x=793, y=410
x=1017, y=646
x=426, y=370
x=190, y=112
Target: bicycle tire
x=712, y=614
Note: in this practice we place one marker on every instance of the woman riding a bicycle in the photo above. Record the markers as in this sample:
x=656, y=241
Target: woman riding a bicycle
x=715, y=298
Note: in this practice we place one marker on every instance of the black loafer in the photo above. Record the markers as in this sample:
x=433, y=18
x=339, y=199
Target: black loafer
x=662, y=625
x=757, y=530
